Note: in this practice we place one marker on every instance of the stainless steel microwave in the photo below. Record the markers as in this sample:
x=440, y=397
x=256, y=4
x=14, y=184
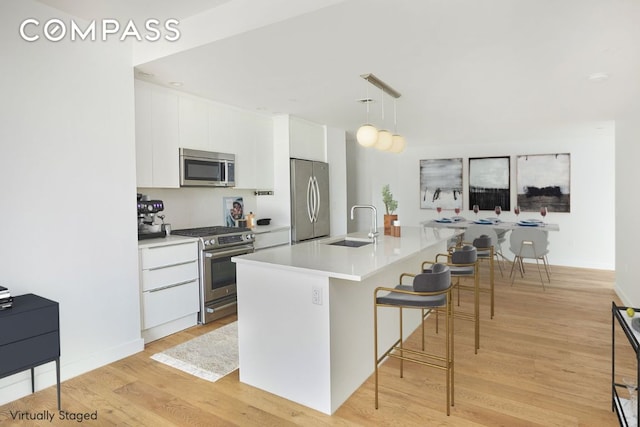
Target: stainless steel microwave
x=206, y=169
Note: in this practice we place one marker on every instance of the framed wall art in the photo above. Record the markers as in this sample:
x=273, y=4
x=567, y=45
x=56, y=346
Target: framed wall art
x=441, y=183
x=489, y=183
x=544, y=180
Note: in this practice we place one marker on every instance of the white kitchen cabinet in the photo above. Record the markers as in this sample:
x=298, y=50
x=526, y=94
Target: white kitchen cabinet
x=144, y=142
x=270, y=236
x=194, y=123
x=222, y=125
x=157, y=136
x=306, y=140
x=167, y=120
x=169, y=286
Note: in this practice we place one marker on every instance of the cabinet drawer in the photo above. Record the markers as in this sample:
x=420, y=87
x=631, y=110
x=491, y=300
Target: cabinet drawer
x=24, y=354
x=157, y=278
x=28, y=324
x=159, y=256
x=273, y=238
x=169, y=304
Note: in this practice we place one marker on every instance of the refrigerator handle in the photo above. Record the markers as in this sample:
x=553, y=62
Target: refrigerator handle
x=317, y=204
x=309, y=196
x=314, y=199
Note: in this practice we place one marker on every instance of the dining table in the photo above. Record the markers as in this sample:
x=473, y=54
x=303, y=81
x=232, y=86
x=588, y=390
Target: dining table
x=493, y=222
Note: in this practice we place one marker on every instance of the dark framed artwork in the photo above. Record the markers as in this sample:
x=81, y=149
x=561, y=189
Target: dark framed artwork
x=544, y=180
x=441, y=183
x=490, y=183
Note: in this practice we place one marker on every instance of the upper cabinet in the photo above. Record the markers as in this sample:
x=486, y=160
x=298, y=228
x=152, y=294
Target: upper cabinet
x=167, y=120
x=194, y=123
x=157, y=135
x=306, y=140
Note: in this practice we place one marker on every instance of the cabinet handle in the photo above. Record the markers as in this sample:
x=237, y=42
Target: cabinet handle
x=172, y=265
x=172, y=286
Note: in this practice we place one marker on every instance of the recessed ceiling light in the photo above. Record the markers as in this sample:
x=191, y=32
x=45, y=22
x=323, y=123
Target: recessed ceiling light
x=145, y=74
x=176, y=84
x=598, y=77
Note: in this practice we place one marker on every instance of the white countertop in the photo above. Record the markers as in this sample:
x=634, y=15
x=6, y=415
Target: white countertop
x=317, y=257
x=164, y=241
x=259, y=229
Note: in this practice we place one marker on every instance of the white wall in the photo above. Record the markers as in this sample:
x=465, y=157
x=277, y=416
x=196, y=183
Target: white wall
x=627, y=205
x=67, y=200
x=587, y=234
x=337, y=159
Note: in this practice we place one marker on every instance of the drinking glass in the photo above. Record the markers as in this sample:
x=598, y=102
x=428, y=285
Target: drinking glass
x=476, y=209
x=516, y=211
x=439, y=209
x=633, y=395
x=457, y=210
x=543, y=212
x=498, y=210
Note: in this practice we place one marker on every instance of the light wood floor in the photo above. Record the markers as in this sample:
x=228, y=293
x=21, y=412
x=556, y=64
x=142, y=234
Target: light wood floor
x=545, y=359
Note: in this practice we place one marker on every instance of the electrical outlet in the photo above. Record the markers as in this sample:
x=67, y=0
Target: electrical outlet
x=316, y=295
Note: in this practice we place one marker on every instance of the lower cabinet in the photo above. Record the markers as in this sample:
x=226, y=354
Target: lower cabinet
x=267, y=238
x=169, y=285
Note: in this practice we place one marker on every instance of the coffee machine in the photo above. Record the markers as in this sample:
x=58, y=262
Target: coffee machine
x=147, y=211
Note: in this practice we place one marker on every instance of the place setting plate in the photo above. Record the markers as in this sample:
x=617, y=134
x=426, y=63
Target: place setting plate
x=483, y=221
x=530, y=223
x=444, y=220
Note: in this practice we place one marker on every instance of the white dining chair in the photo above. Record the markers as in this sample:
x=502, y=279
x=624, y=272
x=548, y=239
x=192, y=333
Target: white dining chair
x=529, y=243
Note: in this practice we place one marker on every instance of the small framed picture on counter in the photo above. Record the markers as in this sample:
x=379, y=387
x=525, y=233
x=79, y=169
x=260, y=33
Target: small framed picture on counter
x=233, y=209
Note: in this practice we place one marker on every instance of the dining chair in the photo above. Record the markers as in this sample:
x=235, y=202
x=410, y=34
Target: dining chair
x=530, y=243
x=430, y=290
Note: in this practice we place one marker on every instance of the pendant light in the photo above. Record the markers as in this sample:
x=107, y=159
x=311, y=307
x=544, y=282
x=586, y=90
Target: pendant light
x=367, y=134
x=398, y=142
x=385, y=139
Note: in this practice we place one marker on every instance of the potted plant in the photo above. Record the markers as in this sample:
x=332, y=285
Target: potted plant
x=390, y=206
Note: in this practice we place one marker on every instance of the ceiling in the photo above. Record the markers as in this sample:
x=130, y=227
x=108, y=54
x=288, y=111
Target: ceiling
x=469, y=71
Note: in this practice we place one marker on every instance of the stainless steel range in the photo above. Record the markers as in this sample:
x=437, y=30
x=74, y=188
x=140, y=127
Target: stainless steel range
x=217, y=271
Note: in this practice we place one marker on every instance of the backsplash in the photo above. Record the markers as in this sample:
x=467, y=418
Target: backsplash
x=197, y=207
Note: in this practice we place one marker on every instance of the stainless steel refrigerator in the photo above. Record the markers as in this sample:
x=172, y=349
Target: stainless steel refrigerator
x=309, y=199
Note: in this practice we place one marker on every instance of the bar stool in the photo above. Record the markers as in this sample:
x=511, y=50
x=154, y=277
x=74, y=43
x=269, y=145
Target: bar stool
x=430, y=290
x=486, y=252
x=463, y=263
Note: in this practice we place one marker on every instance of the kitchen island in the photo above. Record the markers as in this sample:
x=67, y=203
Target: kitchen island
x=305, y=312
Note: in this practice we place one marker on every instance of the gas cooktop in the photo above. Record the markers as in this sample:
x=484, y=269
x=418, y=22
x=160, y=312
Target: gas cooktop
x=209, y=231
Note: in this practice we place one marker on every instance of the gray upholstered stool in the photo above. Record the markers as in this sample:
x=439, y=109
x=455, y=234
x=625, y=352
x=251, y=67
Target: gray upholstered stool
x=430, y=290
x=463, y=263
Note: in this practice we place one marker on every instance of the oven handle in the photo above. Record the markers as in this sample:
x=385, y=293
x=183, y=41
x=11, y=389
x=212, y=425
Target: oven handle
x=246, y=249
x=212, y=309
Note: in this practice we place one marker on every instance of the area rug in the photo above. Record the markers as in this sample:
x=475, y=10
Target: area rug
x=210, y=356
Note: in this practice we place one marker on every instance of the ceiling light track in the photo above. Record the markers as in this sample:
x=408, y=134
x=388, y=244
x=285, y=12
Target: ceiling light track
x=381, y=85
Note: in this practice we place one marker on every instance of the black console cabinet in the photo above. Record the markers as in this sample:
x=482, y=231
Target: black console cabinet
x=30, y=336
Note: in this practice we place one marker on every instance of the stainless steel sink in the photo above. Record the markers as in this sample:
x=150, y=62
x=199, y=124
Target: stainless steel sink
x=350, y=243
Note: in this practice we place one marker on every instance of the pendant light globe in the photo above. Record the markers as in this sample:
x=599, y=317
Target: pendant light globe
x=384, y=141
x=398, y=144
x=367, y=135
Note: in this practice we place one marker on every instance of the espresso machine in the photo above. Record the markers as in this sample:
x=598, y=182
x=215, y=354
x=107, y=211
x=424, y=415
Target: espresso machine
x=147, y=212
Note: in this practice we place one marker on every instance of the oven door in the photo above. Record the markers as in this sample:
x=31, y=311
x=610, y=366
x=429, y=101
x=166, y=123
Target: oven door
x=219, y=279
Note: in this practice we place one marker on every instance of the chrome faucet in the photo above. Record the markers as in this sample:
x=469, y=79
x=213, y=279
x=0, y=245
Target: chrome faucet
x=374, y=219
